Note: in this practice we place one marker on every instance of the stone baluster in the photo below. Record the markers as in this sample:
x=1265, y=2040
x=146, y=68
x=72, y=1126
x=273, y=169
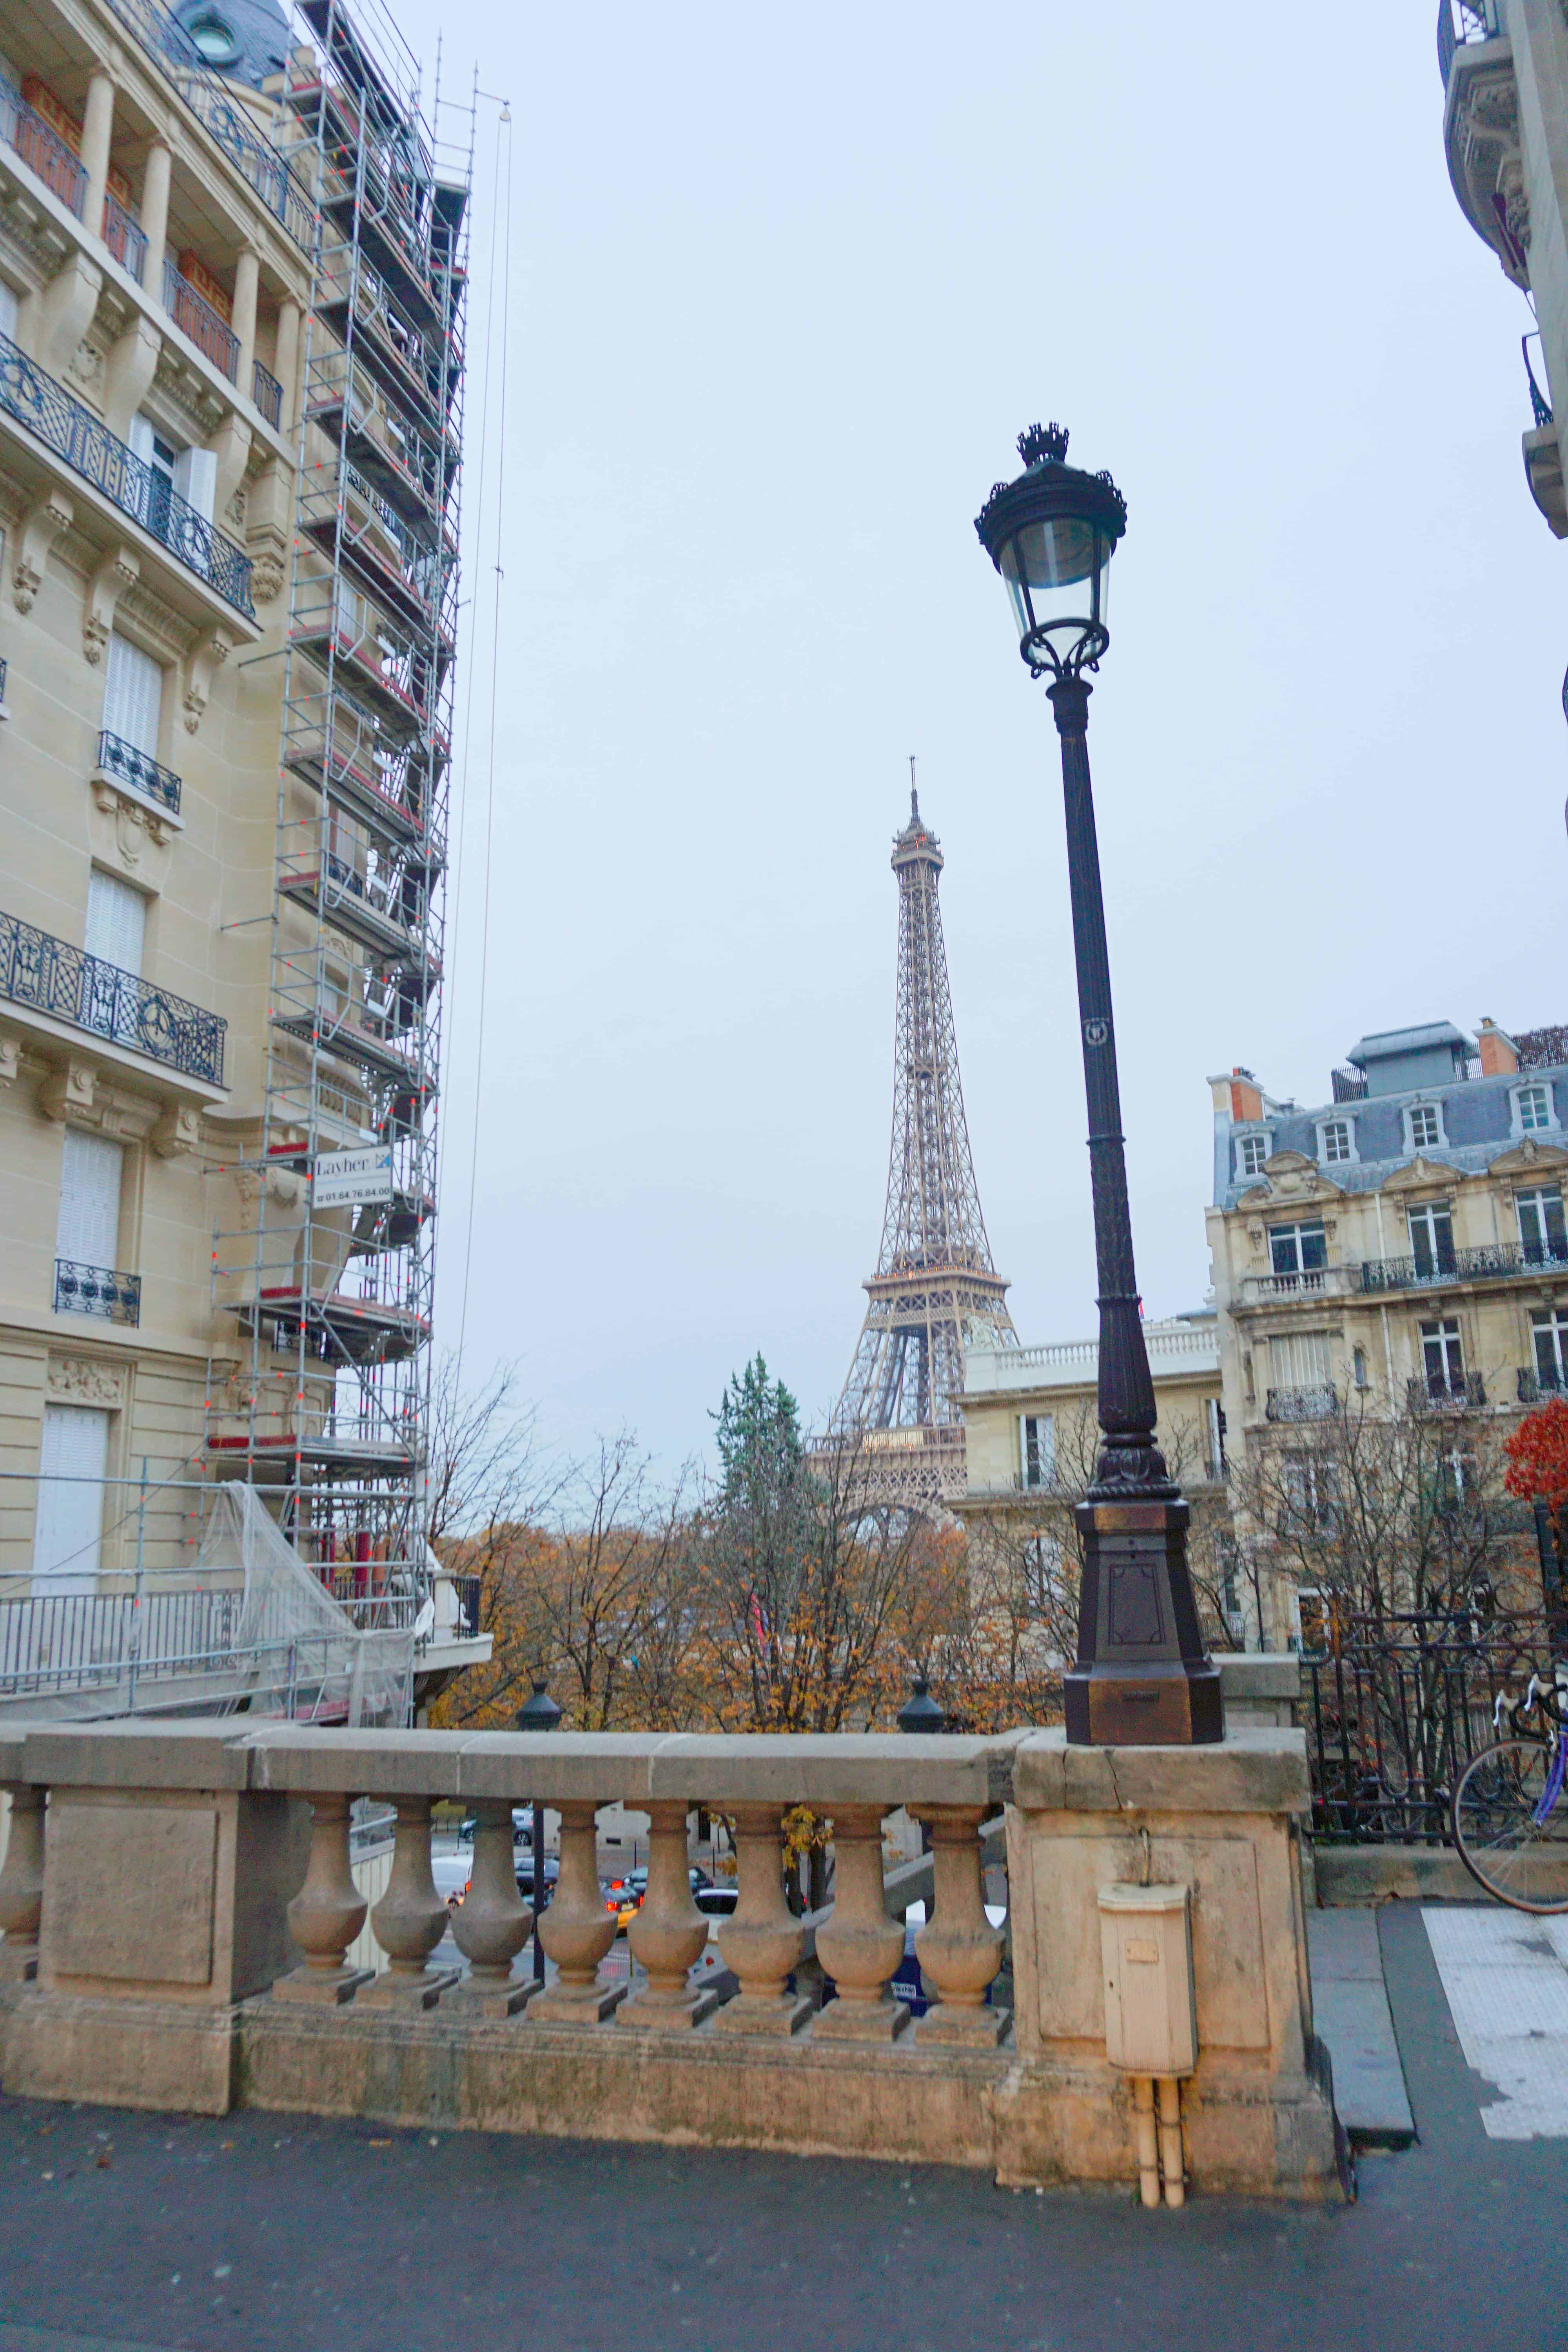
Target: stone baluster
x=410, y=1919
x=668, y=1934
x=761, y=1939
x=959, y=1950
x=491, y=1924
x=328, y=1912
x=22, y=1884
x=577, y=1929
x=859, y=1946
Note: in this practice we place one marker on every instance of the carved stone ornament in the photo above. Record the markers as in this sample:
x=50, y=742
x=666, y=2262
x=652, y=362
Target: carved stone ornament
x=202, y=663
x=135, y=828
x=267, y=575
x=68, y=1091
x=176, y=1130
x=119, y=570
x=85, y=1380
x=1528, y=1158
x=41, y=526
x=10, y=1060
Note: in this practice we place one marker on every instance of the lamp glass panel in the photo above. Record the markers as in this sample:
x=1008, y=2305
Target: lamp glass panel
x=1059, y=566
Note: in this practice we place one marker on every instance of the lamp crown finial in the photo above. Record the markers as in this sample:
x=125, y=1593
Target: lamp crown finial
x=1041, y=443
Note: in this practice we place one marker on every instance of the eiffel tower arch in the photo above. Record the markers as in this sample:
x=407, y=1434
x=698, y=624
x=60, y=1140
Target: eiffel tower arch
x=936, y=1288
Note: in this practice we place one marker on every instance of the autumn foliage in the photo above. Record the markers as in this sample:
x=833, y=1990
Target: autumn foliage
x=1538, y=1457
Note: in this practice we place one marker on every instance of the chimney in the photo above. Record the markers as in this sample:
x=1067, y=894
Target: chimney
x=1500, y=1055
x=1245, y=1098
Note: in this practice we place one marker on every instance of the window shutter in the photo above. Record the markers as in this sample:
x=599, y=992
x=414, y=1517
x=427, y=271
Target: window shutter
x=8, y=313
x=72, y=1461
x=116, y=921
x=133, y=695
x=91, y=1171
x=140, y=438
x=1023, y=1449
x=196, y=480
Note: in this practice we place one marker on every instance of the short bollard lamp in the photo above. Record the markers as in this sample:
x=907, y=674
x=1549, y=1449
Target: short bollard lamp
x=539, y=1713
x=1142, y=1677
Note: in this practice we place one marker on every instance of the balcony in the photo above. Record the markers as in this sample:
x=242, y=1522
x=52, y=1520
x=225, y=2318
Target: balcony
x=123, y=237
x=74, y=436
x=1481, y=131
x=123, y=763
x=1461, y=22
x=1433, y=1390
x=1499, y=1262
x=1310, y=1282
x=97, y=1290
x=268, y=393
x=43, y=150
x=1534, y=1386
x=70, y=985
x=1318, y=1403
x=200, y=324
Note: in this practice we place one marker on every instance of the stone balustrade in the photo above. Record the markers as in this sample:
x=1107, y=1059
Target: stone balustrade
x=178, y=1910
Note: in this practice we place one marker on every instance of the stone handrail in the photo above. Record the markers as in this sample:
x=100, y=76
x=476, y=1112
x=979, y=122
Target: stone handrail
x=178, y=1909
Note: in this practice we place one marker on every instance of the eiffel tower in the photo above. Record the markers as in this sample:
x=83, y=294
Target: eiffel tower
x=935, y=1287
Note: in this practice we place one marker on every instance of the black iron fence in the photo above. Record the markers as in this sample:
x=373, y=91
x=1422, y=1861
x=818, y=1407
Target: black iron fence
x=1393, y=1708
x=97, y=1290
x=36, y=969
x=1462, y=1265
x=122, y=761
x=89, y=449
x=267, y=392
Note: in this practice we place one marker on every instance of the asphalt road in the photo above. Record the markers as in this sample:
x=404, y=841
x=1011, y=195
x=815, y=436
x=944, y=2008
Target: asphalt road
x=136, y=2233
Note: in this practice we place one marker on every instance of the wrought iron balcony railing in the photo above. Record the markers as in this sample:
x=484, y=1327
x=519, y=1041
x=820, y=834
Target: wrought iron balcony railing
x=67, y=982
x=268, y=393
x=122, y=761
x=199, y=322
x=1533, y=1384
x=1464, y=1266
x=1430, y=1389
x=124, y=239
x=89, y=449
x=4, y=668
x=1540, y=407
x=97, y=1290
x=43, y=150
x=1320, y=1404
x=1461, y=22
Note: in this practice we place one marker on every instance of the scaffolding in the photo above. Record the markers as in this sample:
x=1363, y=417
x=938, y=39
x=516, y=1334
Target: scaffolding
x=329, y=1275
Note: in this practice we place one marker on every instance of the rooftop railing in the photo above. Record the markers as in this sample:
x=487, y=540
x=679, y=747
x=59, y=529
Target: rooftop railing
x=196, y=320
x=88, y=448
x=42, y=149
x=127, y=765
x=65, y=982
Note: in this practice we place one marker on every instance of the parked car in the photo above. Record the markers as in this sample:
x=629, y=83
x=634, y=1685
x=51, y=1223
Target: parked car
x=523, y=1866
x=624, y=1896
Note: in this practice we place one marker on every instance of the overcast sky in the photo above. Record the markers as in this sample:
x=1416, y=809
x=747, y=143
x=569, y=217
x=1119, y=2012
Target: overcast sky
x=783, y=287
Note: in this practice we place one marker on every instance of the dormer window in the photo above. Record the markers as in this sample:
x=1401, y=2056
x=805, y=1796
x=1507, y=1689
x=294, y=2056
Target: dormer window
x=1335, y=1141
x=1424, y=1122
x=1532, y=1109
x=1251, y=1152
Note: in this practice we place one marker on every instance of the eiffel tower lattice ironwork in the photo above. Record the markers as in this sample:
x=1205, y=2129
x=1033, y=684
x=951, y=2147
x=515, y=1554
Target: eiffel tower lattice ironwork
x=935, y=1287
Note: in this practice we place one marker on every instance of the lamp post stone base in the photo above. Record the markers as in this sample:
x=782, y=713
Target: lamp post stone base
x=1142, y=1677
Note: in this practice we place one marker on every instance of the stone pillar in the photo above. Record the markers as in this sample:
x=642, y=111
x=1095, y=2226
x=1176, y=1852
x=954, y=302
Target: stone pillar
x=576, y=1930
x=762, y=1939
x=155, y=214
x=22, y=1884
x=491, y=1924
x=96, y=130
x=247, y=281
x=860, y=1947
x=959, y=1950
x=328, y=1912
x=668, y=1934
x=288, y=368
x=410, y=1919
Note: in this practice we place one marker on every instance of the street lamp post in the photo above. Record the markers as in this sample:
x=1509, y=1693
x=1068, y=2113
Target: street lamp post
x=539, y=1713
x=1142, y=1677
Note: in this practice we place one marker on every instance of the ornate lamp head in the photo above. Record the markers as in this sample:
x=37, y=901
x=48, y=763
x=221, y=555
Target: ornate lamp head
x=1051, y=535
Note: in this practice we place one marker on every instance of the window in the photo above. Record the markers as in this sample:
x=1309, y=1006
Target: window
x=1337, y=1139
x=7, y=313
x=1426, y=1125
x=1432, y=1239
x=115, y=930
x=1359, y=1361
x=1534, y=1105
x=1042, y=1565
x=1215, y=1419
x=1298, y=1249
x=133, y=695
x=1230, y=1585
x=1299, y=1360
x=214, y=39
x=72, y=1462
x=1306, y=1495
x=1250, y=1154
x=91, y=1167
x=1550, y=1333
x=1442, y=1357
x=1037, y=1449
x=1541, y=1235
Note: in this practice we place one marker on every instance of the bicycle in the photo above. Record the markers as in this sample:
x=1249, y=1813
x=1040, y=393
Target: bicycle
x=1510, y=1825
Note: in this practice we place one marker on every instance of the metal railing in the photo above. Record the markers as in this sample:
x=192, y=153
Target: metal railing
x=1461, y=22
x=199, y=322
x=72, y=1641
x=157, y=32
x=122, y=761
x=1393, y=1708
x=4, y=668
x=42, y=149
x=89, y=449
x=1533, y=1384
x=1462, y=1265
x=97, y=1290
x=1540, y=407
x=1316, y=1403
x=67, y=982
x=268, y=393
x=124, y=239
x=1444, y=1388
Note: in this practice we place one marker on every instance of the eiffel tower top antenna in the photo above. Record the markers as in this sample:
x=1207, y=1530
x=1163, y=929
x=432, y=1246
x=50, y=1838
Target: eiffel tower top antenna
x=914, y=796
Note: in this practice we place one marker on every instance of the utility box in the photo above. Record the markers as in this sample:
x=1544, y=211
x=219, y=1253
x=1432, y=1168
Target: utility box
x=1146, y=1950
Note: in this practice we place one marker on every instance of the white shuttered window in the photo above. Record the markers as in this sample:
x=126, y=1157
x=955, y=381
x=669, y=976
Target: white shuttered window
x=116, y=921
x=1300, y=1361
x=133, y=695
x=68, y=1530
x=91, y=1170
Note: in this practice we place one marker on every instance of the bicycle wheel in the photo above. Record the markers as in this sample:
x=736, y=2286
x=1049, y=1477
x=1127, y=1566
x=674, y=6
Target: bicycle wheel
x=1511, y=1840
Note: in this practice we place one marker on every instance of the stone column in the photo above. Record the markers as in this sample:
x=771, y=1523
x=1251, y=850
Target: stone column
x=22, y=1884
x=288, y=368
x=247, y=281
x=762, y=1939
x=576, y=1930
x=491, y=1924
x=668, y=1934
x=410, y=1919
x=958, y=1949
x=860, y=1947
x=327, y=1913
x=96, y=130
x=155, y=214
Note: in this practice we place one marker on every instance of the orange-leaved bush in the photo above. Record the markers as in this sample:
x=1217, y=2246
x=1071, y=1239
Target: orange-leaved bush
x=1538, y=1455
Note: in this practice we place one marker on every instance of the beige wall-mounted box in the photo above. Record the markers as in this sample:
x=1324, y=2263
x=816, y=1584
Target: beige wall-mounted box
x=1150, y=2008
